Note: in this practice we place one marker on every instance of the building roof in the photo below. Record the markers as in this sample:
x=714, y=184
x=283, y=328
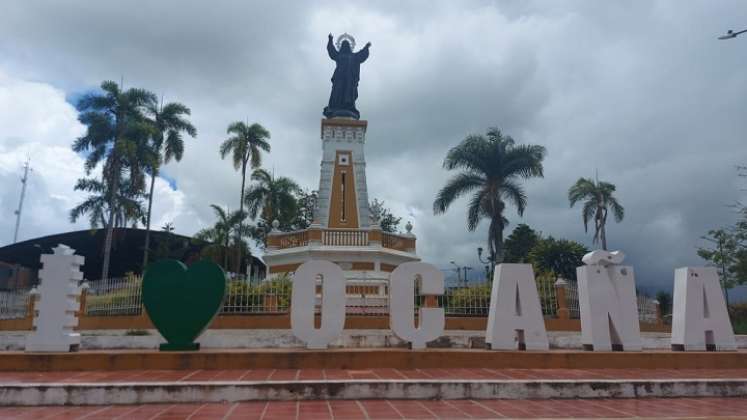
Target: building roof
x=127, y=250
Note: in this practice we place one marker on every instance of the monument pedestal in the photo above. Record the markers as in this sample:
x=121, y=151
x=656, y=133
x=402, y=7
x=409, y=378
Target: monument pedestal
x=343, y=231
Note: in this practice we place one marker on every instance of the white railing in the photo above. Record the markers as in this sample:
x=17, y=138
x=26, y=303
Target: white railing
x=345, y=237
x=257, y=297
x=547, y=296
x=571, y=299
x=473, y=300
x=14, y=303
x=647, y=309
x=115, y=296
x=122, y=296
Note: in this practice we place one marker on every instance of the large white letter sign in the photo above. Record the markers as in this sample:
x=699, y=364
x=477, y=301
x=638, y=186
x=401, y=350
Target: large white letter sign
x=515, y=319
x=402, y=303
x=303, y=301
x=57, y=305
x=607, y=301
x=700, y=320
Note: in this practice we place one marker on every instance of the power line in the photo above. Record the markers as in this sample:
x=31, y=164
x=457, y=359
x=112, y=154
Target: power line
x=26, y=169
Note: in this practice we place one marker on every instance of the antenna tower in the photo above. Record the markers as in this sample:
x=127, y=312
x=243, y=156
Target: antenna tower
x=26, y=169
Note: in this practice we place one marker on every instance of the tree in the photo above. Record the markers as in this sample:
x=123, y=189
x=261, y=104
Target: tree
x=168, y=124
x=306, y=203
x=598, y=201
x=227, y=229
x=245, y=146
x=492, y=167
x=740, y=235
x=665, y=302
x=116, y=134
x=519, y=243
x=724, y=255
x=128, y=207
x=387, y=221
x=559, y=256
x=272, y=198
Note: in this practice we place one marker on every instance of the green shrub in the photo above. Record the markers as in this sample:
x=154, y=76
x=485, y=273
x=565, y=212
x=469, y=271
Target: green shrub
x=738, y=315
x=472, y=300
x=244, y=297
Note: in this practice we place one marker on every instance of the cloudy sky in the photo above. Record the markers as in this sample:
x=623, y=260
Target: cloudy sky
x=640, y=91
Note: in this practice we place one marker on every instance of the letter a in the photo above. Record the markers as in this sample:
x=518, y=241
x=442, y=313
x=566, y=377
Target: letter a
x=607, y=302
x=700, y=320
x=303, y=301
x=402, y=308
x=515, y=319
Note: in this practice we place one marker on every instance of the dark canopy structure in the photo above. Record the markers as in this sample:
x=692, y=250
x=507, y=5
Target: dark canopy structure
x=127, y=250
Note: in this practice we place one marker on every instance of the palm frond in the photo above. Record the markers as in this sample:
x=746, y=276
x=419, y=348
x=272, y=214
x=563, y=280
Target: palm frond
x=617, y=209
x=583, y=188
x=587, y=214
x=474, y=212
x=455, y=187
x=515, y=194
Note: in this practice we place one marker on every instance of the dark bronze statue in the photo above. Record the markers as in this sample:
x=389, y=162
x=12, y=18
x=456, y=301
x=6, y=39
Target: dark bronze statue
x=346, y=76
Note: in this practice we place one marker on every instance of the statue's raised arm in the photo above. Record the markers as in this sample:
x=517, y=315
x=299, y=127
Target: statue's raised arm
x=331, y=50
x=362, y=55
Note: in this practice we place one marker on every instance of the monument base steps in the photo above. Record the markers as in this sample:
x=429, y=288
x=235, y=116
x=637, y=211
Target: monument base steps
x=105, y=388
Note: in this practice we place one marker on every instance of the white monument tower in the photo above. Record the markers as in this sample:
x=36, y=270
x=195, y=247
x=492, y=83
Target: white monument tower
x=344, y=231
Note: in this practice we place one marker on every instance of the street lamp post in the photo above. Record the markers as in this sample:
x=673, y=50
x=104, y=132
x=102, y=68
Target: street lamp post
x=465, y=268
x=731, y=34
x=458, y=270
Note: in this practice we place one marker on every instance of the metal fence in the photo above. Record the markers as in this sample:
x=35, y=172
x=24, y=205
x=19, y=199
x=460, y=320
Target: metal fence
x=571, y=299
x=648, y=310
x=122, y=296
x=466, y=300
x=247, y=296
x=14, y=304
x=115, y=296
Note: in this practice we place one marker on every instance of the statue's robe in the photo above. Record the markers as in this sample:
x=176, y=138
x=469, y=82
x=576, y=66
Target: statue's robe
x=344, y=81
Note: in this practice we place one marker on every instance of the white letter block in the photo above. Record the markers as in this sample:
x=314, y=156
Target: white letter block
x=607, y=302
x=402, y=303
x=515, y=318
x=700, y=320
x=303, y=301
x=57, y=302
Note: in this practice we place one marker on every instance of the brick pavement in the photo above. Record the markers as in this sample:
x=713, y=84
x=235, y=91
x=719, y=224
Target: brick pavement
x=401, y=409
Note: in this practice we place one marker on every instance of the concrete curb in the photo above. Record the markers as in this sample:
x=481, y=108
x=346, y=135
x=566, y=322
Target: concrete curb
x=364, y=359
x=33, y=394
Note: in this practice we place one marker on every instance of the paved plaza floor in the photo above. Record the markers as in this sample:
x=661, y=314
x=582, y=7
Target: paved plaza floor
x=400, y=409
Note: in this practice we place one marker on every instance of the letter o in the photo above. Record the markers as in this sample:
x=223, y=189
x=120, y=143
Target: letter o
x=303, y=301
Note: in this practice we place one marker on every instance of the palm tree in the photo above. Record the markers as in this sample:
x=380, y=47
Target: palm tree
x=168, y=125
x=492, y=167
x=226, y=228
x=245, y=146
x=598, y=200
x=128, y=207
x=116, y=135
x=272, y=198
